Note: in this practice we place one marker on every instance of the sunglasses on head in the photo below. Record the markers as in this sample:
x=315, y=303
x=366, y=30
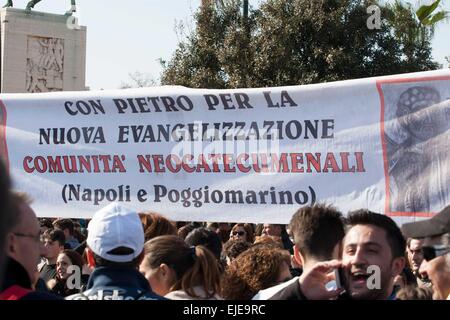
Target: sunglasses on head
x=431, y=252
x=238, y=233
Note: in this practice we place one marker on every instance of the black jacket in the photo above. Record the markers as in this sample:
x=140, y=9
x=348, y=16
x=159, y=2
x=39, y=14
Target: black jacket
x=290, y=292
x=61, y=288
x=16, y=275
x=287, y=243
x=107, y=283
x=294, y=292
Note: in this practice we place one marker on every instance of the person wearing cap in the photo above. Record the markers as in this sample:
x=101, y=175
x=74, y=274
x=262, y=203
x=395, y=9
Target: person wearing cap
x=115, y=246
x=436, y=250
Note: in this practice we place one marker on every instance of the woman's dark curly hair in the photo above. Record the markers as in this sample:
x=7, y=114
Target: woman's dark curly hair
x=254, y=269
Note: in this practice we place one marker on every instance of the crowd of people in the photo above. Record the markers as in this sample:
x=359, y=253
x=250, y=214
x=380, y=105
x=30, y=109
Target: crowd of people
x=121, y=254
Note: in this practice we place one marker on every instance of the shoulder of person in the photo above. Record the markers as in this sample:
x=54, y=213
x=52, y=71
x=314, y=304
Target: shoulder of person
x=178, y=295
x=113, y=294
x=183, y=295
x=37, y=295
x=151, y=296
x=78, y=296
x=268, y=293
x=41, y=265
x=292, y=291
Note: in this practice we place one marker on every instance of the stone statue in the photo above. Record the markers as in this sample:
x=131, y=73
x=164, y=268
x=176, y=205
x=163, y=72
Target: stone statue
x=32, y=3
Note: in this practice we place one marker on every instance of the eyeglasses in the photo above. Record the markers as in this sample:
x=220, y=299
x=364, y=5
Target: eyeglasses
x=36, y=238
x=431, y=252
x=238, y=233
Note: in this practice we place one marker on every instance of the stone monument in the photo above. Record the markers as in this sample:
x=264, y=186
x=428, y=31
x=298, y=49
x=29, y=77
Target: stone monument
x=41, y=52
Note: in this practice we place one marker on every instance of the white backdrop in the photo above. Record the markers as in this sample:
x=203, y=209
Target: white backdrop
x=338, y=143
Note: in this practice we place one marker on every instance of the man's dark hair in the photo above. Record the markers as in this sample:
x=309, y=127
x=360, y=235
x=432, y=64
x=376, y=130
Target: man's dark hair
x=185, y=230
x=317, y=230
x=408, y=276
x=394, y=235
x=64, y=224
x=54, y=235
x=47, y=223
x=207, y=238
x=408, y=242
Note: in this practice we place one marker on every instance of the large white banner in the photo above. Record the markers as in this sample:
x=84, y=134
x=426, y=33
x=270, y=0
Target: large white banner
x=244, y=155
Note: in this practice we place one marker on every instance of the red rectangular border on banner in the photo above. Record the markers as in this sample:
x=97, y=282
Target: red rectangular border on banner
x=383, y=143
x=3, y=145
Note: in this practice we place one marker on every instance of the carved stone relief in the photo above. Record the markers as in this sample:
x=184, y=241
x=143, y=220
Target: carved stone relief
x=45, y=64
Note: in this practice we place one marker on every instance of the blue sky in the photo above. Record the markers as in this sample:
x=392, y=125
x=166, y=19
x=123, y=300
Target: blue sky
x=128, y=36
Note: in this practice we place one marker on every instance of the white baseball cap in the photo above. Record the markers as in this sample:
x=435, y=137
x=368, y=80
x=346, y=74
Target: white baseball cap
x=112, y=227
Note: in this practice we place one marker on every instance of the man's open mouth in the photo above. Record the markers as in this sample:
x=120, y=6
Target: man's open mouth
x=359, y=276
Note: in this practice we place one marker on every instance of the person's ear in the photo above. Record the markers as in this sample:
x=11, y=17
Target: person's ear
x=10, y=244
x=298, y=256
x=164, y=270
x=397, y=266
x=90, y=258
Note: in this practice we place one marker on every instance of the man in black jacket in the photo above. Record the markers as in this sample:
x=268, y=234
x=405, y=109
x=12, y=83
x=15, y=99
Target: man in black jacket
x=372, y=256
x=53, y=241
x=115, y=248
x=317, y=232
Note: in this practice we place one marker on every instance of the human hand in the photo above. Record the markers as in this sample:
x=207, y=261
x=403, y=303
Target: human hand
x=312, y=282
